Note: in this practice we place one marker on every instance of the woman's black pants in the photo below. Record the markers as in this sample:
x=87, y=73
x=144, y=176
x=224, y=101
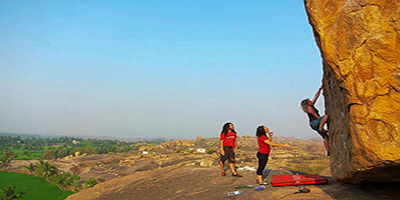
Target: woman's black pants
x=262, y=162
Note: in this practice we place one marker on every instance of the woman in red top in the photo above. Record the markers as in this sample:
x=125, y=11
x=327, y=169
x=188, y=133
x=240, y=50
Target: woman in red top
x=228, y=145
x=264, y=143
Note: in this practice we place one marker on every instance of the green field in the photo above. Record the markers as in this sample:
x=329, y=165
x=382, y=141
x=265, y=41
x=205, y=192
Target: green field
x=27, y=155
x=22, y=154
x=34, y=187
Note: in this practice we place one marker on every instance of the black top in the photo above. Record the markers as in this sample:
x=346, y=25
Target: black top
x=312, y=117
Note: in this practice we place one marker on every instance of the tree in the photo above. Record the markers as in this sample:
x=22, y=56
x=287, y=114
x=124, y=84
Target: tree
x=45, y=169
x=31, y=167
x=50, y=153
x=10, y=193
x=64, y=180
x=5, y=161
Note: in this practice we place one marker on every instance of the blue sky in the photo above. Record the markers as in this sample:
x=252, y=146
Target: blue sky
x=176, y=69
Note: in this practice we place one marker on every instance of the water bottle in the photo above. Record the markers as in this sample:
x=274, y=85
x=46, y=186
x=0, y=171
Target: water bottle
x=234, y=193
x=259, y=188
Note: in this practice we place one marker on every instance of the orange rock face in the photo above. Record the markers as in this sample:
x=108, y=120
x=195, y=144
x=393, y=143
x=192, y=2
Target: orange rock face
x=359, y=42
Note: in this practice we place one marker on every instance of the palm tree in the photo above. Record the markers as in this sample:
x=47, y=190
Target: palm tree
x=31, y=167
x=10, y=193
x=5, y=161
x=65, y=180
x=45, y=169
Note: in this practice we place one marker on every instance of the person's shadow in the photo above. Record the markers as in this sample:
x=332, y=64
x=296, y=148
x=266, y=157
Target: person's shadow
x=266, y=173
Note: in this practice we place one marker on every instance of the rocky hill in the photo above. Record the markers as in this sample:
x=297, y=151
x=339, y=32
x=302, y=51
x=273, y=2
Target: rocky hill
x=176, y=170
x=195, y=182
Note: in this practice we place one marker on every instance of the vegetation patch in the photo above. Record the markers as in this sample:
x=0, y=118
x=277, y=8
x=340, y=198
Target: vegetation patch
x=31, y=187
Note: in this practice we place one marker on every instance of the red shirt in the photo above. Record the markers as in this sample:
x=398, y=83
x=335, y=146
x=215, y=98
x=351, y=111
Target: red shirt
x=229, y=139
x=263, y=147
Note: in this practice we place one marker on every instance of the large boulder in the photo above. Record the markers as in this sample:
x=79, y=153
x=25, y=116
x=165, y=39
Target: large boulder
x=359, y=42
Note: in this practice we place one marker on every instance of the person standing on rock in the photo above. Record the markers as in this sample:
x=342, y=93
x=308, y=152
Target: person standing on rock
x=264, y=143
x=316, y=121
x=228, y=145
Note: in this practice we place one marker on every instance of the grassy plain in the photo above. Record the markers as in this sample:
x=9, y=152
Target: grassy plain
x=34, y=187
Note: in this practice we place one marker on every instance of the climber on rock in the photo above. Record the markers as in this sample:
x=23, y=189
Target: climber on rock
x=316, y=121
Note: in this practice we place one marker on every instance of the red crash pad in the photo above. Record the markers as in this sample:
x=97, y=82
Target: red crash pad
x=298, y=179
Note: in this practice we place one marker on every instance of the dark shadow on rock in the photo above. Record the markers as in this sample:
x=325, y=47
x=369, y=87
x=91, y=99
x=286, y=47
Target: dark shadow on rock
x=297, y=172
x=366, y=191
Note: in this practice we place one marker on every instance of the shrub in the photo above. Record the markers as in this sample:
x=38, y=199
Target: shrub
x=211, y=150
x=90, y=183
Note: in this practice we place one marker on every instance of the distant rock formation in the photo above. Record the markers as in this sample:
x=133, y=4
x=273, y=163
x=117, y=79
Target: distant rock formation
x=359, y=42
x=199, y=138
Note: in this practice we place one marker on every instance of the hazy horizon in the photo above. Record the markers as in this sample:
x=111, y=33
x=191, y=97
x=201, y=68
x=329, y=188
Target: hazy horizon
x=172, y=69
x=136, y=139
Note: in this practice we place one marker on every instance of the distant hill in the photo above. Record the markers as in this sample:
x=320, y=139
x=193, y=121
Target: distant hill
x=84, y=137
x=313, y=138
x=22, y=135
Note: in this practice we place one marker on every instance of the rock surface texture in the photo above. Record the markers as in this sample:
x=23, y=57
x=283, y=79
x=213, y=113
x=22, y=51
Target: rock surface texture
x=359, y=42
